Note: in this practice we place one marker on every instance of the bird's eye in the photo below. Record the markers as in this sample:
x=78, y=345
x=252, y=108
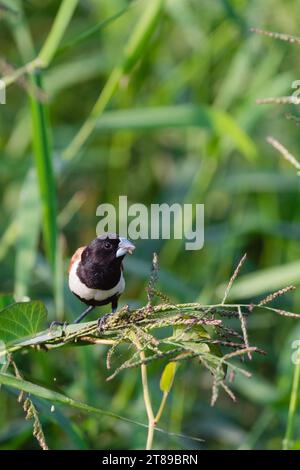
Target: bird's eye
x=107, y=245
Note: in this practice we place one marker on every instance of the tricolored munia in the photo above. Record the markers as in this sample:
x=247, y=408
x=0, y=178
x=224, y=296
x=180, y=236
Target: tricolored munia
x=96, y=273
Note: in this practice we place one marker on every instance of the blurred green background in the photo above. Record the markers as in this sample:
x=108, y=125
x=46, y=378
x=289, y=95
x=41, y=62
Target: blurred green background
x=182, y=126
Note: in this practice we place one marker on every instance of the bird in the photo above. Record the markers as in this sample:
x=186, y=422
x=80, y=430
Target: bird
x=96, y=273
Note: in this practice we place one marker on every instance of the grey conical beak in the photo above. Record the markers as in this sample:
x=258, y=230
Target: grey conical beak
x=124, y=247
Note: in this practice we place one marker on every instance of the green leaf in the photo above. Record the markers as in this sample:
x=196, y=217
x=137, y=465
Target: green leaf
x=43, y=157
x=5, y=300
x=50, y=335
x=21, y=320
x=167, y=377
x=184, y=333
x=192, y=336
x=264, y=280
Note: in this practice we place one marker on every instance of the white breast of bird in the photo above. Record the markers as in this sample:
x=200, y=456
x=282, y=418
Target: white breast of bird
x=86, y=293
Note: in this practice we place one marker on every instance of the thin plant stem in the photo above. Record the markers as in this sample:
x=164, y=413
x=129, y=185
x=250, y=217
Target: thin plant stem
x=146, y=394
x=161, y=407
x=292, y=408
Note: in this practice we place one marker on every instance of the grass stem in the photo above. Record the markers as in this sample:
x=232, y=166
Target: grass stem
x=146, y=393
x=287, y=442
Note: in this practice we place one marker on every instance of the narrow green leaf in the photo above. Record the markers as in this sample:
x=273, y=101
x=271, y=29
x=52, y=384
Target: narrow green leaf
x=59, y=26
x=56, y=397
x=21, y=320
x=93, y=30
x=44, y=167
x=44, y=336
x=167, y=377
x=194, y=339
x=141, y=34
x=181, y=116
x=182, y=333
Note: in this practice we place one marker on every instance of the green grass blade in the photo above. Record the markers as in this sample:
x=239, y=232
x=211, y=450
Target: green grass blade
x=60, y=24
x=44, y=167
x=28, y=221
x=179, y=116
x=80, y=38
x=265, y=280
x=141, y=34
x=56, y=397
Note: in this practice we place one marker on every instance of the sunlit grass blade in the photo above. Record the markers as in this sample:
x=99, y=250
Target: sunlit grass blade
x=187, y=115
x=50, y=46
x=59, y=26
x=264, y=280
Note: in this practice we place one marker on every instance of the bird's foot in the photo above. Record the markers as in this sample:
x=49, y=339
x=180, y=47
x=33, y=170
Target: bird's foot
x=59, y=323
x=102, y=321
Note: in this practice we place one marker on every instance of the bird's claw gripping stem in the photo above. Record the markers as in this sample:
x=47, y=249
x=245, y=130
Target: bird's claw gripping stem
x=59, y=323
x=102, y=321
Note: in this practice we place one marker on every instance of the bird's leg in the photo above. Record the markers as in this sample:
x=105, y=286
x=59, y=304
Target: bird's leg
x=102, y=320
x=84, y=313
x=78, y=320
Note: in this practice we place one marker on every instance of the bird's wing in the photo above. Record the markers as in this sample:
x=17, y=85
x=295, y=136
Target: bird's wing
x=76, y=256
